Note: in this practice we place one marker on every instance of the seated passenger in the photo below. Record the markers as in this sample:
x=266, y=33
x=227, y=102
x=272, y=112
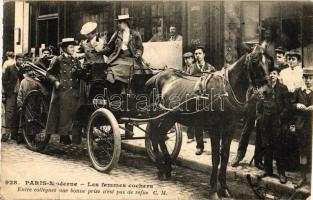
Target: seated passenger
x=126, y=51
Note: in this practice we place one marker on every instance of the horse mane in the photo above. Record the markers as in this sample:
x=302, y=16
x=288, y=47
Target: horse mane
x=240, y=61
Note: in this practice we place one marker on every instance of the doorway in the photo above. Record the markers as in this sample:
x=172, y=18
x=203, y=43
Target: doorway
x=48, y=32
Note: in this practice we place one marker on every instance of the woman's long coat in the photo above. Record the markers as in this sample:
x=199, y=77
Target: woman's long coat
x=66, y=99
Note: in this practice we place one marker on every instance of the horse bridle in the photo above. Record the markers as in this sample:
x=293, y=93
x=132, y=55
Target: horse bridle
x=238, y=104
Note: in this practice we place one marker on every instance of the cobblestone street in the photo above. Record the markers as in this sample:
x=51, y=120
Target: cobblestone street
x=70, y=164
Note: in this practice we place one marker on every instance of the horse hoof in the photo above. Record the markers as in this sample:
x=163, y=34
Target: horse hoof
x=162, y=176
x=225, y=192
x=214, y=196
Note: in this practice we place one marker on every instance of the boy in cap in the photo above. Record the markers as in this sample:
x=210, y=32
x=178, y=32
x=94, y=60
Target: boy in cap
x=94, y=43
x=303, y=105
x=273, y=112
x=292, y=75
x=66, y=92
x=189, y=61
x=280, y=58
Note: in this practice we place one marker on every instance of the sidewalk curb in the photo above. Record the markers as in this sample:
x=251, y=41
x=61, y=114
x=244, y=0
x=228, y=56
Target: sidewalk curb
x=232, y=173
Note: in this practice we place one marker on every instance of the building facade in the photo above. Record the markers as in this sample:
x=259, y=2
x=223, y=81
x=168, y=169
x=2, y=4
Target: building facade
x=221, y=26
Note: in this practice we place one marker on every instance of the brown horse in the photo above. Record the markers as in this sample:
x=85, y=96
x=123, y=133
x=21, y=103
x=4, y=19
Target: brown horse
x=213, y=102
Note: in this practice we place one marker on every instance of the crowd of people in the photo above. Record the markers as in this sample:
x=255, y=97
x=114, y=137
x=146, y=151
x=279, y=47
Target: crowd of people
x=285, y=109
x=286, y=106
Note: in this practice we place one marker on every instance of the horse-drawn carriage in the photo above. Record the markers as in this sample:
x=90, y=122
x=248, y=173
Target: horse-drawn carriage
x=100, y=119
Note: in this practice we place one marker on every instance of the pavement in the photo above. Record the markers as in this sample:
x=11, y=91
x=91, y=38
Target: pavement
x=69, y=164
x=187, y=158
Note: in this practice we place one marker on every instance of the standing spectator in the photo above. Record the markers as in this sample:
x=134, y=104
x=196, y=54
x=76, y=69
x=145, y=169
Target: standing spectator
x=273, y=111
x=10, y=84
x=292, y=75
x=198, y=68
x=65, y=96
x=303, y=105
x=45, y=59
x=249, y=126
x=280, y=58
x=10, y=60
x=174, y=36
x=201, y=65
x=189, y=62
x=268, y=43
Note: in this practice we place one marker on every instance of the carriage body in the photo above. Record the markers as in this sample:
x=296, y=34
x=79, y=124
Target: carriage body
x=99, y=119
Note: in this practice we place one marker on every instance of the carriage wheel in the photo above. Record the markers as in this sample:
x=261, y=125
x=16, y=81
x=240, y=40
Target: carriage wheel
x=33, y=118
x=173, y=142
x=103, y=140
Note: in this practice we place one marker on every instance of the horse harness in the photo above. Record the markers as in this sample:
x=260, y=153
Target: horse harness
x=201, y=90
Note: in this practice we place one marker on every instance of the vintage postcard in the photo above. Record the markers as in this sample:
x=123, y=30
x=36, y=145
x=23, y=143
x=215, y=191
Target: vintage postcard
x=156, y=100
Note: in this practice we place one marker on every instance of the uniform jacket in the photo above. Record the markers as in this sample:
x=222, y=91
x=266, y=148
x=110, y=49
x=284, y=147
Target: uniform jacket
x=303, y=119
x=282, y=102
x=114, y=45
x=10, y=80
x=65, y=100
x=194, y=69
x=62, y=68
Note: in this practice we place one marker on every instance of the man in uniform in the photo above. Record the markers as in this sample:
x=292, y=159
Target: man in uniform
x=303, y=105
x=10, y=84
x=65, y=98
x=273, y=112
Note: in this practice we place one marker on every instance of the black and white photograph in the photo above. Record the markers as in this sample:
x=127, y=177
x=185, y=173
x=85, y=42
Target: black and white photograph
x=156, y=100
